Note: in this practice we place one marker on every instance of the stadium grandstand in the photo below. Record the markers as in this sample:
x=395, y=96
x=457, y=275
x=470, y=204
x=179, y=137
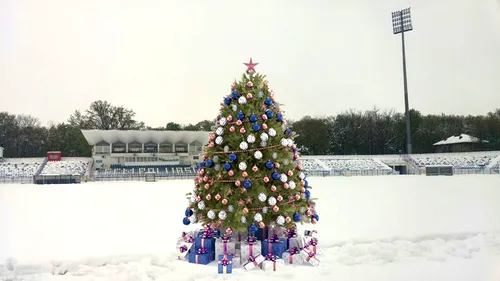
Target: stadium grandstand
x=131, y=155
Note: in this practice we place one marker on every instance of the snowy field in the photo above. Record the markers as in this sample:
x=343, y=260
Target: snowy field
x=371, y=228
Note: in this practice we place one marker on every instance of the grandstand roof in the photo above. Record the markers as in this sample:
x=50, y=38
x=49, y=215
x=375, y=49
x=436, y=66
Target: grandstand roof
x=112, y=136
x=462, y=138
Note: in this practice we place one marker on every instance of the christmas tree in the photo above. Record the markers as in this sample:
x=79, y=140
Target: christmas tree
x=250, y=172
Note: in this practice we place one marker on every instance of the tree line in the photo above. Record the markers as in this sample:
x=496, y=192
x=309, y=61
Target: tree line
x=351, y=132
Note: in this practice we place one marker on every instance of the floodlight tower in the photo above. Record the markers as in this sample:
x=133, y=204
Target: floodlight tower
x=401, y=23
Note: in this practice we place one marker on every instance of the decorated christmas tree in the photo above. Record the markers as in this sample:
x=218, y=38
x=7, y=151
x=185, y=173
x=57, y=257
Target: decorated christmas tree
x=250, y=172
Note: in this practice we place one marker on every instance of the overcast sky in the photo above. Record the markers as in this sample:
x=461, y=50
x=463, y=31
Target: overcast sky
x=175, y=60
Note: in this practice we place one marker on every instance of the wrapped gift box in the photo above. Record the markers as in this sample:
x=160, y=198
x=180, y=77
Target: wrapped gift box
x=205, y=240
x=186, y=236
x=296, y=242
x=293, y=256
x=311, y=243
x=274, y=246
x=224, y=246
x=272, y=263
x=250, y=248
x=236, y=262
x=254, y=262
x=184, y=250
x=201, y=256
x=309, y=257
x=224, y=264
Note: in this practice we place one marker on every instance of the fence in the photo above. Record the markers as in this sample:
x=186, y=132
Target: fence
x=16, y=180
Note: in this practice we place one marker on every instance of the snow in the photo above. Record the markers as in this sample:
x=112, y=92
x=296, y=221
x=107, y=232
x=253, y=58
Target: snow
x=371, y=228
x=462, y=138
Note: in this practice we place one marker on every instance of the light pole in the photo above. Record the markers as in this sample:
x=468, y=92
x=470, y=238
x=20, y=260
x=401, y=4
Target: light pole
x=401, y=23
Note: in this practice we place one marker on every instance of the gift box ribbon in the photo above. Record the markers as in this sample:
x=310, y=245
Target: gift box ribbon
x=224, y=262
x=271, y=257
x=202, y=251
x=310, y=256
x=274, y=239
x=291, y=233
x=313, y=243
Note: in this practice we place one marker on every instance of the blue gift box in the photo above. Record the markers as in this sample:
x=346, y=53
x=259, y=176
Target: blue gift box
x=262, y=233
x=273, y=246
x=201, y=258
x=224, y=264
x=202, y=242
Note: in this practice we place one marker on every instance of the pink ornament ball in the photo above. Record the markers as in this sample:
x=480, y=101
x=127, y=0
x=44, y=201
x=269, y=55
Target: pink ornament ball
x=308, y=213
x=313, y=221
x=285, y=185
x=279, y=198
x=297, y=197
x=264, y=126
x=218, y=197
x=232, y=129
x=198, y=198
x=262, y=224
x=207, y=186
x=245, y=210
x=205, y=178
x=288, y=219
x=249, y=96
x=266, y=179
x=302, y=190
x=276, y=208
x=211, y=144
x=249, y=84
x=244, y=174
x=225, y=201
x=290, y=173
x=255, y=169
x=273, y=188
x=208, y=197
x=230, y=118
x=277, y=165
x=242, y=130
x=263, y=117
x=229, y=231
x=237, y=183
x=239, y=122
x=230, y=173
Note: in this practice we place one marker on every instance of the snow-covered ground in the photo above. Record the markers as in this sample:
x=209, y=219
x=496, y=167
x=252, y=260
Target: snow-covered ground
x=371, y=228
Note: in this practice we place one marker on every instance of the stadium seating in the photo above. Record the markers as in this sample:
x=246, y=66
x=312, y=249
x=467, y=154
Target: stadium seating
x=66, y=167
x=311, y=165
x=472, y=160
x=354, y=164
x=19, y=169
x=118, y=170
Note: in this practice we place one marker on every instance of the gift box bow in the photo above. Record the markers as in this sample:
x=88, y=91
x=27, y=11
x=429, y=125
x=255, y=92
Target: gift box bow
x=271, y=257
x=294, y=251
x=225, y=239
x=225, y=262
x=183, y=248
x=251, y=239
x=313, y=242
x=291, y=233
x=206, y=234
x=311, y=255
x=202, y=250
x=274, y=238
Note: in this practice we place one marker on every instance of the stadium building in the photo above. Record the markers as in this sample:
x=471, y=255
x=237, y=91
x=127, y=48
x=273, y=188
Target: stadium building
x=137, y=152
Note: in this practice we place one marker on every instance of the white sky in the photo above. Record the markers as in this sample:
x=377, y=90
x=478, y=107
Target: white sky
x=175, y=60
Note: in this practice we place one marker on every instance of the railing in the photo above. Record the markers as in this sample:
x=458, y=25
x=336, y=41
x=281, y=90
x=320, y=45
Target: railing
x=16, y=180
x=413, y=163
x=39, y=171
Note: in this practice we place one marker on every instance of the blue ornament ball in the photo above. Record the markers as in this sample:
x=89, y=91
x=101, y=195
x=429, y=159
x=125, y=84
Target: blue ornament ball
x=240, y=115
x=210, y=163
x=256, y=127
x=235, y=95
x=275, y=176
x=288, y=131
x=247, y=184
x=186, y=221
x=268, y=101
x=227, y=166
x=316, y=217
x=227, y=101
x=233, y=157
x=253, y=118
x=269, y=164
x=188, y=212
x=253, y=228
x=306, y=184
x=279, y=117
x=269, y=114
x=296, y=217
x=202, y=164
x=307, y=193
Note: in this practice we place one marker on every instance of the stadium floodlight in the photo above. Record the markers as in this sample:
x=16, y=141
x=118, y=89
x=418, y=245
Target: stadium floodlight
x=401, y=23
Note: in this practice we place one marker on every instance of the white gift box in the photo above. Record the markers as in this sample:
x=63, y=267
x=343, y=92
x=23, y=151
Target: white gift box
x=296, y=242
x=312, y=260
x=183, y=255
x=236, y=262
x=251, y=265
x=230, y=247
x=295, y=259
x=268, y=265
x=249, y=250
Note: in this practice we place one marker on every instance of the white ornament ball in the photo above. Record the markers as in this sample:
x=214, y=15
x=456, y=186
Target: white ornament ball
x=216, y=158
x=272, y=201
x=302, y=210
x=222, y=215
x=280, y=220
x=251, y=139
x=223, y=121
x=290, y=142
x=286, y=162
x=257, y=154
x=211, y=214
x=262, y=197
x=243, y=145
x=219, y=131
x=263, y=143
x=243, y=219
x=217, y=167
x=226, y=148
x=201, y=205
x=283, y=178
x=257, y=217
x=264, y=136
x=275, y=155
x=291, y=184
x=192, y=219
x=272, y=132
x=219, y=140
x=234, y=107
x=242, y=166
x=230, y=208
x=265, y=209
x=261, y=94
x=242, y=100
x=302, y=175
x=284, y=142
